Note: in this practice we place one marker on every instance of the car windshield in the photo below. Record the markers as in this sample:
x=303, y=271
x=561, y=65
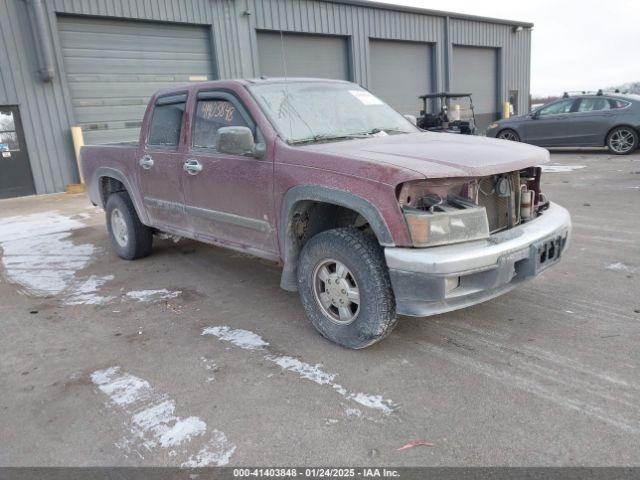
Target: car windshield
x=306, y=112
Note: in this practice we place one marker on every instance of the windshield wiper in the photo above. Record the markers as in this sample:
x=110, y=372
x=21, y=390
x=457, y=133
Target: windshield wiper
x=347, y=136
x=327, y=138
x=385, y=130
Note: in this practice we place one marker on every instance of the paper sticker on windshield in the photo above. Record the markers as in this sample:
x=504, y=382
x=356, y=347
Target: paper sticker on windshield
x=365, y=97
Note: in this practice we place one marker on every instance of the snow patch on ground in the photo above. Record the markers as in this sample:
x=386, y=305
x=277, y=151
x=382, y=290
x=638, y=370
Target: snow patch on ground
x=123, y=389
x=252, y=341
x=372, y=401
x=561, y=168
x=40, y=257
x=352, y=412
x=86, y=293
x=240, y=338
x=304, y=370
x=38, y=253
x=152, y=295
x=153, y=424
x=620, y=267
x=217, y=451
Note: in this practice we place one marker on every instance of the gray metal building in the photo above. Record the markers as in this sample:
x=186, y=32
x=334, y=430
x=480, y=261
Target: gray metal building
x=94, y=63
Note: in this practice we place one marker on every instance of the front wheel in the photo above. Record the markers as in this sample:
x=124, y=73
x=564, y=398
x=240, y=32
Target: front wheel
x=130, y=238
x=345, y=288
x=622, y=140
x=509, y=134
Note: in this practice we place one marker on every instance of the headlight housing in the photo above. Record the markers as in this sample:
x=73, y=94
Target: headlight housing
x=492, y=126
x=442, y=212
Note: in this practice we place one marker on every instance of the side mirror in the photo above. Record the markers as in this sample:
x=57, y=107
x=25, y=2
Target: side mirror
x=535, y=115
x=239, y=141
x=412, y=119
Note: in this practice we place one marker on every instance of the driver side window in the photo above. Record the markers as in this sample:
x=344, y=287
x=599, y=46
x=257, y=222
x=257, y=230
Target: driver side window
x=563, y=106
x=212, y=115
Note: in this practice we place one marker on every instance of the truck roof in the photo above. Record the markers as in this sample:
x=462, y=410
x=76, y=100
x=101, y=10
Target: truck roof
x=242, y=81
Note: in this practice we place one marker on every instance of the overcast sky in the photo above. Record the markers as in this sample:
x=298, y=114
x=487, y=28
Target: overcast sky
x=577, y=45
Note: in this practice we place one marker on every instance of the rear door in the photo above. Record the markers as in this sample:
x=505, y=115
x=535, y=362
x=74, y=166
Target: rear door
x=589, y=124
x=549, y=127
x=159, y=165
x=230, y=198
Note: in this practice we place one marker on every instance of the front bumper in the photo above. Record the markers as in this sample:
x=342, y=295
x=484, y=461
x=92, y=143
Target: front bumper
x=428, y=281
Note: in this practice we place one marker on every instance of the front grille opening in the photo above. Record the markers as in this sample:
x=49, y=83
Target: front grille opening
x=502, y=211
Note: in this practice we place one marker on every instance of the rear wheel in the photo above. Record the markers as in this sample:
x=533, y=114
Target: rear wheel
x=509, y=134
x=129, y=237
x=622, y=140
x=345, y=288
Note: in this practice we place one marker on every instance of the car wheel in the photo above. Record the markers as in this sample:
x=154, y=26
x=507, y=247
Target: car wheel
x=344, y=286
x=129, y=237
x=509, y=134
x=622, y=140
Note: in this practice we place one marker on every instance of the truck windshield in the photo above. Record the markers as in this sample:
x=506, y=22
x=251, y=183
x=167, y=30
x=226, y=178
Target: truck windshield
x=306, y=112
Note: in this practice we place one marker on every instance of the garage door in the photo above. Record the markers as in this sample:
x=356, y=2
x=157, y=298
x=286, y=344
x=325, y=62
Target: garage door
x=315, y=56
x=475, y=70
x=400, y=73
x=114, y=66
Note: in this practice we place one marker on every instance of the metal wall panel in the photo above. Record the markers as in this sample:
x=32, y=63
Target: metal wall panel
x=41, y=104
x=401, y=72
x=475, y=71
x=114, y=66
x=47, y=108
x=358, y=23
x=321, y=56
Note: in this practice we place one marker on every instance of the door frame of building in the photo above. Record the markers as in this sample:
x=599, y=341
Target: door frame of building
x=14, y=156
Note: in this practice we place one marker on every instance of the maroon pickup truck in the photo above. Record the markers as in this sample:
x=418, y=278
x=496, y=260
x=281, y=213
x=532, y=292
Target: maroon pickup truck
x=370, y=216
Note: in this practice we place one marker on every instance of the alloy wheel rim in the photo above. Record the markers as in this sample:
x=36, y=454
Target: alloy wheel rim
x=119, y=227
x=621, y=141
x=508, y=136
x=336, y=292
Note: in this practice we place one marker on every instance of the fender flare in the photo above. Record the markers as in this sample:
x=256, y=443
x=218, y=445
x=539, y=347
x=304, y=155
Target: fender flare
x=316, y=193
x=110, y=172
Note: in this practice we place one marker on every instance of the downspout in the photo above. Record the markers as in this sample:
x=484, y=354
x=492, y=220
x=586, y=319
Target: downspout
x=447, y=54
x=447, y=61
x=46, y=64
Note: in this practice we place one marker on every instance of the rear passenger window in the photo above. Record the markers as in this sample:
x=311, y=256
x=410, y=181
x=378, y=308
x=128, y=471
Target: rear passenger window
x=212, y=115
x=618, y=103
x=593, y=104
x=166, y=122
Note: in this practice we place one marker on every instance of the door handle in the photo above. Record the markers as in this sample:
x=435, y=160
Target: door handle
x=146, y=162
x=192, y=167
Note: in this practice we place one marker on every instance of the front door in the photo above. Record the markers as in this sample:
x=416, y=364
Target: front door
x=16, y=179
x=549, y=126
x=229, y=197
x=159, y=165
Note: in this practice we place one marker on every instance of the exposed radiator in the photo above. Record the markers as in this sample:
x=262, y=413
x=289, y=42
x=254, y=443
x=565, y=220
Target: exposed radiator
x=497, y=206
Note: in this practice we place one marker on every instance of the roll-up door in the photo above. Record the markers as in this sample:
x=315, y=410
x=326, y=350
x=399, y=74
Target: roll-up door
x=475, y=71
x=114, y=66
x=317, y=56
x=400, y=73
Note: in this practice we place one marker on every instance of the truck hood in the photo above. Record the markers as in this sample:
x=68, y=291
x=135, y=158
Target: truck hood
x=439, y=155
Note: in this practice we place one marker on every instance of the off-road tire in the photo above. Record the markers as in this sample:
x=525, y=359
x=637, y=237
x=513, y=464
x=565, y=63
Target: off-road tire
x=364, y=258
x=633, y=135
x=139, y=241
x=508, y=134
